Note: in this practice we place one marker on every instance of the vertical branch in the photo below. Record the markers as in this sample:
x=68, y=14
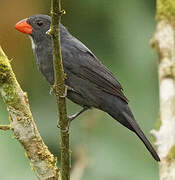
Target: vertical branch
x=60, y=88
x=164, y=44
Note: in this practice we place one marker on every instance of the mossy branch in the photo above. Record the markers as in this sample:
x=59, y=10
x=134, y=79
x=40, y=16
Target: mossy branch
x=60, y=88
x=166, y=10
x=163, y=42
x=23, y=125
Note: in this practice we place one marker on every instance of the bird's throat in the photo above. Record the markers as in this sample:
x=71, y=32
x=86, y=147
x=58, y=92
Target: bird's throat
x=34, y=46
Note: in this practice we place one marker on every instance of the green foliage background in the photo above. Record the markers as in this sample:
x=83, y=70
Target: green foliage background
x=118, y=32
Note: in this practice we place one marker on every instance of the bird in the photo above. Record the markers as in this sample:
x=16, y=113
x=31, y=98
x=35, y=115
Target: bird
x=90, y=84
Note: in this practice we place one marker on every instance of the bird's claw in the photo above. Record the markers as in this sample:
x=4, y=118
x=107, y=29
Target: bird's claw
x=64, y=130
x=71, y=118
x=51, y=90
x=65, y=93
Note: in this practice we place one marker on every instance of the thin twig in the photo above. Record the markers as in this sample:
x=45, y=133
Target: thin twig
x=5, y=127
x=60, y=88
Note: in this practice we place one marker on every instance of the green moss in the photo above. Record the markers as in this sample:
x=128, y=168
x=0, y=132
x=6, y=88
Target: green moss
x=4, y=71
x=8, y=83
x=166, y=10
x=158, y=123
x=171, y=155
x=10, y=96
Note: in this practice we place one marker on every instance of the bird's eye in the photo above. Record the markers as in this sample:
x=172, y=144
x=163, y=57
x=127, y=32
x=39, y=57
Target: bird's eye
x=40, y=23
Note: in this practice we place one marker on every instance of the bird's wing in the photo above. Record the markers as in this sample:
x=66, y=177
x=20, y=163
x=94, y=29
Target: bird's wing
x=79, y=60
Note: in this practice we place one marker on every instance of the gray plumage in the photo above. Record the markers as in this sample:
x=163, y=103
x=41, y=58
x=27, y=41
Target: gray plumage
x=90, y=83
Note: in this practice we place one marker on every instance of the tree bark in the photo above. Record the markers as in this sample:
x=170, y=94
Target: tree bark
x=164, y=44
x=23, y=125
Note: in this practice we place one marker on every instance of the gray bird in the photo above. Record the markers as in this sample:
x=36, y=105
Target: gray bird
x=90, y=83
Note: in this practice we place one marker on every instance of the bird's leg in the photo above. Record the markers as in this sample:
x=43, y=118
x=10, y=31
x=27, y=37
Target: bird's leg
x=72, y=117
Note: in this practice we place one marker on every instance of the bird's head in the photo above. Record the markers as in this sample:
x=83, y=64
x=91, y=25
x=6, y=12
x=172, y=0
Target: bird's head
x=36, y=26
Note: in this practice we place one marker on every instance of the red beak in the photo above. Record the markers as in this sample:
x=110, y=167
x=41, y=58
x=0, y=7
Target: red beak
x=24, y=27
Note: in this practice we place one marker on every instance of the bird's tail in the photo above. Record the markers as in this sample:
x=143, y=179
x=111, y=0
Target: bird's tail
x=140, y=134
x=121, y=112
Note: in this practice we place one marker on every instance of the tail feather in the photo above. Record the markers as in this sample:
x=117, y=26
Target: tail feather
x=120, y=111
x=141, y=135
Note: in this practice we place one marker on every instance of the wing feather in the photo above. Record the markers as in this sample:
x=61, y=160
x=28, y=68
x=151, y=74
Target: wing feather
x=79, y=60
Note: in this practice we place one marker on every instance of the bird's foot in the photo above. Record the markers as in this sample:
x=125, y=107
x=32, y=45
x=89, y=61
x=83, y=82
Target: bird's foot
x=65, y=130
x=72, y=117
x=51, y=90
x=65, y=93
